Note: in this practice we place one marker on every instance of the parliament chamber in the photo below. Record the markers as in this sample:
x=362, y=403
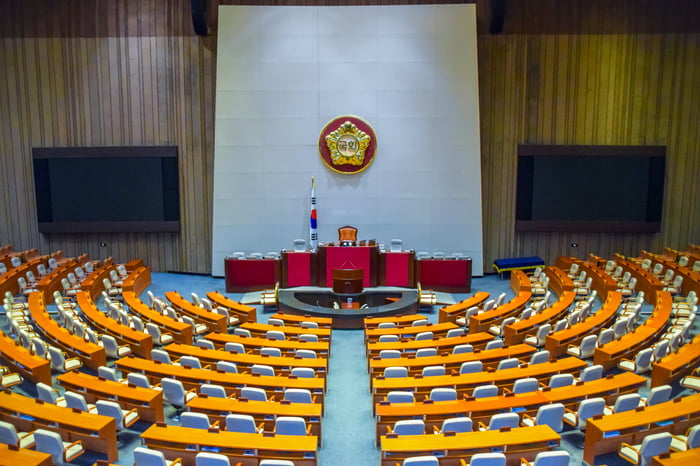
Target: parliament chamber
x=428, y=317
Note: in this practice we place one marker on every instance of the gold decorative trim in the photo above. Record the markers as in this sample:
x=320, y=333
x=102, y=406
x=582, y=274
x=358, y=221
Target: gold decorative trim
x=352, y=132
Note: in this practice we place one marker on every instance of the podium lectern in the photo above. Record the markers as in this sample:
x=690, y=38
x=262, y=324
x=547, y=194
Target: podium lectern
x=348, y=281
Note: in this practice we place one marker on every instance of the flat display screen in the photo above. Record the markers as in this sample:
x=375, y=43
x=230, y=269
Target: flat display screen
x=590, y=188
x=113, y=189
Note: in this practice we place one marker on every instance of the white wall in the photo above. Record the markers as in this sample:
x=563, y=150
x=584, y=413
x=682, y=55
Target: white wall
x=284, y=72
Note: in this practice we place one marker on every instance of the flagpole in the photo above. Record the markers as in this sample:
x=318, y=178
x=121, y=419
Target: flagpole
x=313, y=222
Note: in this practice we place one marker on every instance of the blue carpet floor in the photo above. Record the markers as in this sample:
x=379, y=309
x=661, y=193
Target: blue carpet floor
x=348, y=425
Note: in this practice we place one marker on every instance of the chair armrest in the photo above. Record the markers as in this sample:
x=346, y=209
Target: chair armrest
x=524, y=462
x=569, y=411
x=215, y=425
x=528, y=416
x=482, y=425
x=308, y=429
x=623, y=444
x=261, y=427
x=389, y=430
x=462, y=462
x=65, y=449
x=179, y=461
x=436, y=430
x=271, y=398
x=206, y=366
x=506, y=390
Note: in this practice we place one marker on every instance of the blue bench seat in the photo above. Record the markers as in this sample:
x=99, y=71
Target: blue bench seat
x=517, y=263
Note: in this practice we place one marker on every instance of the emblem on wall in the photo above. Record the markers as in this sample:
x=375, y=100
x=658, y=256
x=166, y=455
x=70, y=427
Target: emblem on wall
x=347, y=144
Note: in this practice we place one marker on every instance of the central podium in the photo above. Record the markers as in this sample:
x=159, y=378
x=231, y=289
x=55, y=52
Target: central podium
x=364, y=257
x=348, y=281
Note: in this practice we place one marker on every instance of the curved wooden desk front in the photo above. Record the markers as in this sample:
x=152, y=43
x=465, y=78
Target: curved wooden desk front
x=149, y=403
x=263, y=411
x=604, y=434
x=481, y=409
x=481, y=322
x=405, y=345
x=185, y=443
x=521, y=442
x=98, y=433
x=254, y=344
x=19, y=358
x=193, y=378
x=244, y=312
x=139, y=342
x=91, y=355
x=246, y=361
x=453, y=311
x=466, y=382
x=518, y=330
x=215, y=322
x=451, y=362
x=631, y=343
x=181, y=332
x=324, y=334
x=676, y=365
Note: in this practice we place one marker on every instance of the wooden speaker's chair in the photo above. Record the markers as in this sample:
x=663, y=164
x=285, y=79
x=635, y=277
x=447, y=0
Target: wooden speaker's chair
x=347, y=235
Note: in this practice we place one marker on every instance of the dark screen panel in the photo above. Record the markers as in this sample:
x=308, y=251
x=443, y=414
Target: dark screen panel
x=107, y=189
x=590, y=188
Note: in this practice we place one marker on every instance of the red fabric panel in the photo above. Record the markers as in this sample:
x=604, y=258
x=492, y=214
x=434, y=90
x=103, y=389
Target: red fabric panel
x=298, y=269
x=348, y=257
x=442, y=272
x=251, y=273
x=396, y=273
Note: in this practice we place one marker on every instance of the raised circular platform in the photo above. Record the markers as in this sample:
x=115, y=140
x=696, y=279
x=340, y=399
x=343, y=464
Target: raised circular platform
x=353, y=308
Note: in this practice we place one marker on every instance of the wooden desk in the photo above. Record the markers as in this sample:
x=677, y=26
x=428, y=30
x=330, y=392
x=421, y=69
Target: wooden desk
x=678, y=458
x=559, y=280
x=261, y=329
x=52, y=281
x=12, y=456
x=98, y=433
x=93, y=283
x=449, y=275
x=464, y=383
x=481, y=322
x=629, y=344
x=253, y=345
x=19, y=358
x=8, y=280
x=246, y=361
x=181, y=332
x=691, y=280
x=481, y=409
x=263, y=411
x=399, y=320
x=521, y=442
x=138, y=280
x=244, y=312
x=185, y=443
x=193, y=378
x=439, y=330
x=558, y=342
x=452, y=362
x=676, y=365
x=215, y=322
x=299, y=268
x=139, y=342
x=646, y=281
x=451, y=312
x=477, y=340
x=397, y=268
x=91, y=355
x=605, y=434
x=244, y=275
x=149, y=403
x=518, y=330
x=291, y=319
